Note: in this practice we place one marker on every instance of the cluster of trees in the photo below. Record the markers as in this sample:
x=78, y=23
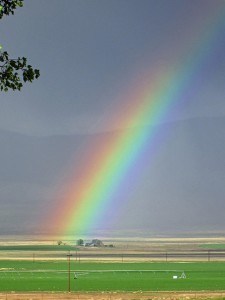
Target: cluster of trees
x=80, y=242
x=13, y=71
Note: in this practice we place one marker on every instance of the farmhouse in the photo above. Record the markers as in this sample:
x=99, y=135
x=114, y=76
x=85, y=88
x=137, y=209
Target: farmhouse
x=95, y=243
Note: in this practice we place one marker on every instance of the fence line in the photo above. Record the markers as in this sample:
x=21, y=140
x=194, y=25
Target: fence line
x=79, y=256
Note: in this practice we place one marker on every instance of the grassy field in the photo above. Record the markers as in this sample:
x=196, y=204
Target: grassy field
x=213, y=246
x=53, y=276
x=37, y=248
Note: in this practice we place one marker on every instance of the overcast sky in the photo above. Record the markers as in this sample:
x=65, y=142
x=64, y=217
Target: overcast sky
x=90, y=52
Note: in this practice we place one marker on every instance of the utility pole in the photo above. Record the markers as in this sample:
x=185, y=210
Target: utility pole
x=68, y=258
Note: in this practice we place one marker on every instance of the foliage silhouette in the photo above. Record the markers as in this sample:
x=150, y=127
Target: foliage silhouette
x=13, y=72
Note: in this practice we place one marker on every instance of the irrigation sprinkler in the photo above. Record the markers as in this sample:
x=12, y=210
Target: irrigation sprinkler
x=68, y=258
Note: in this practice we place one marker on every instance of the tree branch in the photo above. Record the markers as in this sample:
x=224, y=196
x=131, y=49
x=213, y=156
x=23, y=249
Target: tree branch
x=14, y=71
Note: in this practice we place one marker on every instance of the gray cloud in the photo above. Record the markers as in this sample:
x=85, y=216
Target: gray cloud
x=90, y=54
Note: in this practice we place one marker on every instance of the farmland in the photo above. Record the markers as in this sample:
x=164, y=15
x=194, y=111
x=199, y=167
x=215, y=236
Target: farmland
x=145, y=268
x=213, y=246
x=53, y=276
x=35, y=248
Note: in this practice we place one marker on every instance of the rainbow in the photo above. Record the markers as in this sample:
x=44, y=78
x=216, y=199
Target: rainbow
x=96, y=181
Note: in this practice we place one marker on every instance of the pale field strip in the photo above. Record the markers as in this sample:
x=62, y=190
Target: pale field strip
x=123, y=246
x=139, y=295
x=115, y=260
x=120, y=257
x=116, y=241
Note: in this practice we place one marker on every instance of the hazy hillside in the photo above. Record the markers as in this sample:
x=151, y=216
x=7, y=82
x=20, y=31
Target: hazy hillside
x=181, y=187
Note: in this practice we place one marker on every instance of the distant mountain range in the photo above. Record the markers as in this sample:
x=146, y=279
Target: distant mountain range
x=181, y=189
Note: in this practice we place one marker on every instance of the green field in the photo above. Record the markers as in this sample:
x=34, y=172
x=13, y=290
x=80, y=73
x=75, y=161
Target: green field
x=53, y=276
x=38, y=248
x=213, y=246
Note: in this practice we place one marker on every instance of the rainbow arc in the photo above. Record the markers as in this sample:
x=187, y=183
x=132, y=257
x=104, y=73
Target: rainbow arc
x=97, y=180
